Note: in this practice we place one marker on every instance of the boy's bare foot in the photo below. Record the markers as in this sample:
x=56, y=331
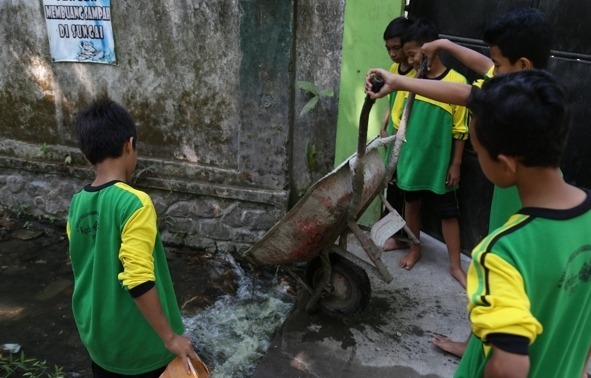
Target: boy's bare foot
x=409, y=260
x=393, y=244
x=456, y=348
x=459, y=275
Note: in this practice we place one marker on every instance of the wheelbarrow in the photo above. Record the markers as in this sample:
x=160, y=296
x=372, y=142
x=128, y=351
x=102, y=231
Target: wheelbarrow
x=316, y=228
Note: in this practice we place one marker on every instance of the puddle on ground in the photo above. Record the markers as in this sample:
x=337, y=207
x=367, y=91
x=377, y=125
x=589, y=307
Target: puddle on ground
x=234, y=333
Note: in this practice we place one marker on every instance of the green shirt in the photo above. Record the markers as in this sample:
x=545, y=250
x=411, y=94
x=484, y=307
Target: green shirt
x=114, y=247
x=505, y=201
x=426, y=155
x=532, y=278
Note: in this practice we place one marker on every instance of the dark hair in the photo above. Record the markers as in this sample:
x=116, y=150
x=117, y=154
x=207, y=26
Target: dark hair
x=524, y=114
x=396, y=28
x=421, y=31
x=524, y=32
x=103, y=127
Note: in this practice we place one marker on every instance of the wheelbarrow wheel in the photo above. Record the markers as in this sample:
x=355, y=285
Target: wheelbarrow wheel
x=349, y=288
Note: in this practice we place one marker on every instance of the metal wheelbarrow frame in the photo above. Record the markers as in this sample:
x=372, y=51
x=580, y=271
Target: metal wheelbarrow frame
x=328, y=211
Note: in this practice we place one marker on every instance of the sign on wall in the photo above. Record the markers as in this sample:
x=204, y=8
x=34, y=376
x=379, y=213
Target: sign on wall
x=80, y=30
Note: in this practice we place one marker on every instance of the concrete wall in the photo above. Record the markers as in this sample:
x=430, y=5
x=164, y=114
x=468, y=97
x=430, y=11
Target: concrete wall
x=211, y=86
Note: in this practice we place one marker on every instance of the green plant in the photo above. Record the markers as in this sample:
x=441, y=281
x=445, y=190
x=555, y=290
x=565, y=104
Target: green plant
x=42, y=150
x=316, y=95
x=22, y=366
x=68, y=159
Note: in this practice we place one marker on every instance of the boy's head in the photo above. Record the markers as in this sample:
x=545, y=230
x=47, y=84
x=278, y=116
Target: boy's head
x=420, y=32
x=393, y=38
x=521, y=39
x=104, y=128
x=521, y=116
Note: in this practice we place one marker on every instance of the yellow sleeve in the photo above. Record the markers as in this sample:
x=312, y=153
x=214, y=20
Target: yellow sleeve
x=459, y=129
x=398, y=107
x=488, y=75
x=137, y=246
x=498, y=302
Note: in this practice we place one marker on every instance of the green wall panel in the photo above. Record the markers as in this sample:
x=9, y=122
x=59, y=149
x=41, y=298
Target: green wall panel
x=363, y=48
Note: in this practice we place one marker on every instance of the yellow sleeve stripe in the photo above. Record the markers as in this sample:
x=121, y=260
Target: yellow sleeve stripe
x=498, y=302
x=137, y=244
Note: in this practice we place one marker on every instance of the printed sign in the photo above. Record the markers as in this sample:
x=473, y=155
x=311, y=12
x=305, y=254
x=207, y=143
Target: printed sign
x=80, y=30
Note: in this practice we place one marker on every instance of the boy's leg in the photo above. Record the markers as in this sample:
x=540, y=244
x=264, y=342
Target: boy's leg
x=394, y=196
x=447, y=209
x=413, y=202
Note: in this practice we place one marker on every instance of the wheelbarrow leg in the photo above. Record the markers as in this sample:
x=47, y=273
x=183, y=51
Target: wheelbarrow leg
x=312, y=305
x=371, y=250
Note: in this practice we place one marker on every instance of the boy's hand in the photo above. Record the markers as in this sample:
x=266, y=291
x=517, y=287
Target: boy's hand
x=430, y=50
x=182, y=347
x=453, y=175
x=388, y=87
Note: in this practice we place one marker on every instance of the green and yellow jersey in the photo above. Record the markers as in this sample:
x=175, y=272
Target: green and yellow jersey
x=426, y=155
x=396, y=98
x=116, y=253
x=505, y=201
x=530, y=280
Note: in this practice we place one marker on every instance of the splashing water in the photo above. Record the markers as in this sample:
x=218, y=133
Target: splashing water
x=235, y=332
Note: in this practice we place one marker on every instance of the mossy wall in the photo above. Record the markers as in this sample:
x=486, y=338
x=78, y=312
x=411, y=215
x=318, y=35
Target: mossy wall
x=211, y=86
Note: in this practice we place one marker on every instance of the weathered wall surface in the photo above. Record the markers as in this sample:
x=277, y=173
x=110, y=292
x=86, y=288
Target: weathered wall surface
x=211, y=86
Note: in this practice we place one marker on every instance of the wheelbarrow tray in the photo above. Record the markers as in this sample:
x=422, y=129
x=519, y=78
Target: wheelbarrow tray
x=320, y=216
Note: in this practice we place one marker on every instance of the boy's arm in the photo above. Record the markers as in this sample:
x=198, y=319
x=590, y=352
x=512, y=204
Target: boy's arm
x=438, y=90
x=472, y=59
x=507, y=365
x=149, y=305
x=453, y=173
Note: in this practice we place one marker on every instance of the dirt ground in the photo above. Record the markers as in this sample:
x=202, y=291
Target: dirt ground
x=36, y=290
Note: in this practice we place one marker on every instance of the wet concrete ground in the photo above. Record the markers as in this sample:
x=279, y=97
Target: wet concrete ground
x=391, y=338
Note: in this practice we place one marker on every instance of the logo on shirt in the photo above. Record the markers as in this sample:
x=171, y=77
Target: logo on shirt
x=87, y=224
x=578, y=270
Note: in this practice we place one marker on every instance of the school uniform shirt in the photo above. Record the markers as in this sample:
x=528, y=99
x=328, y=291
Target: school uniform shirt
x=116, y=251
x=426, y=155
x=505, y=201
x=530, y=280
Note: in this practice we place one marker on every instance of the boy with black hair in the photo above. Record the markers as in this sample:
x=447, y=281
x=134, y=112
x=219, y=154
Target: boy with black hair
x=519, y=40
x=123, y=302
x=429, y=161
x=529, y=282
x=401, y=66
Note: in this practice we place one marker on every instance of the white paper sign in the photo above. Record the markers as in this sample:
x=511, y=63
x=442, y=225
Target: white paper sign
x=80, y=30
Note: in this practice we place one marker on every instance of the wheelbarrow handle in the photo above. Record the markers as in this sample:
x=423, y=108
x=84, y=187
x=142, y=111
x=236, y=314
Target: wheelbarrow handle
x=376, y=84
x=358, y=179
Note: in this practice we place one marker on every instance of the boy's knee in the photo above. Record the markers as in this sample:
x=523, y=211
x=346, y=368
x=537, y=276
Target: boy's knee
x=447, y=210
x=446, y=206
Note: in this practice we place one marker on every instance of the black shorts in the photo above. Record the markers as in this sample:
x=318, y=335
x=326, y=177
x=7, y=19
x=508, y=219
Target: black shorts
x=445, y=205
x=99, y=372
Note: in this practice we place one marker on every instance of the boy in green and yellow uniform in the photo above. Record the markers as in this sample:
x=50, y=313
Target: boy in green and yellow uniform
x=529, y=283
x=123, y=302
x=430, y=159
x=401, y=66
